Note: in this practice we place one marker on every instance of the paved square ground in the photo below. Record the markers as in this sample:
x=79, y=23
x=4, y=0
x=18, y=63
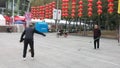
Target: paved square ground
x=52, y=52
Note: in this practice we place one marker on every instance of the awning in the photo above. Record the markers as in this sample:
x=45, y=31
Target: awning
x=18, y=18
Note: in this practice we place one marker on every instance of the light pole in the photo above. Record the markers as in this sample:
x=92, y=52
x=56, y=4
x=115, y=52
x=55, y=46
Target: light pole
x=29, y=6
x=28, y=12
x=56, y=21
x=13, y=12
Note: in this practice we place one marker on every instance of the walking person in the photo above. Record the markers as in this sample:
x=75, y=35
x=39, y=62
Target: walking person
x=97, y=34
x=28, y=38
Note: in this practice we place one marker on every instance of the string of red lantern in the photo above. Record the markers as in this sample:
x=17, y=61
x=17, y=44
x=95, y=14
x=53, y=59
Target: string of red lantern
x=53, y=7
x=110, y=6
x=33, y=12
x=37, y=12
x=46, y=11
x=73, y=8
x=65, y=8
x=42, y=12
x=90, y=8
x=99, y=3
x=80, y=8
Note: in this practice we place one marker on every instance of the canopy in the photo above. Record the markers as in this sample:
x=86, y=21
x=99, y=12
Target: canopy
x=41, y=26
x=19, y=22
x=7, y=18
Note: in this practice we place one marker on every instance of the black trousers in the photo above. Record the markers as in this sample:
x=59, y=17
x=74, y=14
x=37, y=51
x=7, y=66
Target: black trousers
x=96, y=42
x=29, y=42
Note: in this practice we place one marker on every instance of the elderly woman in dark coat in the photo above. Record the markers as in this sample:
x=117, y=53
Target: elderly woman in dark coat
x=97, y=34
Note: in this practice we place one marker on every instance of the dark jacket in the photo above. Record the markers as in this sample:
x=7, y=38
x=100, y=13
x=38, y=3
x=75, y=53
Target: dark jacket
x=29, y=33
x=97, y=33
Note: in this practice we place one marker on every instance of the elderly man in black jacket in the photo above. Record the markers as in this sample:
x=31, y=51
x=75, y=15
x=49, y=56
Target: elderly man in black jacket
x=27, y=36
x=97, y=34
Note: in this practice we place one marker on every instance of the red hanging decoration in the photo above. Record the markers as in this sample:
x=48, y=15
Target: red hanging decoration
x=73, y=8
x=47, y=11
x=65, y=8
x=35, y=12
x=90, y=8
x=99, y=3
x=110, y=6
x=80, y=8
x=53, y=4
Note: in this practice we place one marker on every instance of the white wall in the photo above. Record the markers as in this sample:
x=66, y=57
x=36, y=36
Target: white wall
x=2, y=20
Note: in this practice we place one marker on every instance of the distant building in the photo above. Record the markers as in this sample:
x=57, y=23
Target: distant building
x=19, y=6
x=2, y=6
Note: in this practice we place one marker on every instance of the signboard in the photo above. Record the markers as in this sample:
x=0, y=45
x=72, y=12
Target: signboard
x=28, y=16
x=56, y=14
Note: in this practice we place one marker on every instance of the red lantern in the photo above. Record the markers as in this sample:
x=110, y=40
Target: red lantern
x=66, y=11
x=110, y=10
x=66, y=14
x=80, y=2
x=90, y=5
x=73, y=6
x=110, y=0
x=66, y=4
x=110, y=4
x=99, y=11
x=46, y=16
x=99, y=7
x=80, y=10
x=90, y=1
x=66, y=1
x=99, y=2
x=63, y=14
x=73, y=3
x=53, y=4
x=89, y=14
x=90, y=9
x=46, y=10
x=63, y=8
x=66, y=7
x=80, y=6
x=80, y=14
x=73, y=10
x=73, y=14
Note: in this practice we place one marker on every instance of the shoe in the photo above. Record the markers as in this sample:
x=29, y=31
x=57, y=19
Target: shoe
x=24, y=59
